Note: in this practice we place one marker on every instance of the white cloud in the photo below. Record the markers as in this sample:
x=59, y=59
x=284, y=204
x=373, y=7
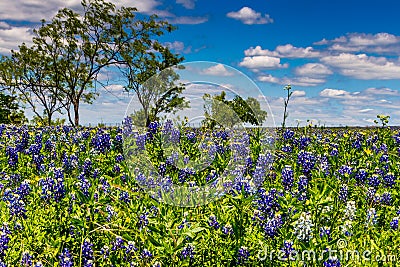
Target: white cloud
x=380, y=43
x=334, y=93
x=299, y=81
x=11, y=37
x=284, y=51
x=217, y=70
x=188, y=4
x=249, y=16
x=313, y=70
x=381, y=91
x=178, y=46
x=262, y=62
x=298, y=93
x=188, y=20
x=364, y=67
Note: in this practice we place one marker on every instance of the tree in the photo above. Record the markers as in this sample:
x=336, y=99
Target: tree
x=9, y=110
x=30, y=75
x=223, y=112
x=147, y=66
x=81, y=46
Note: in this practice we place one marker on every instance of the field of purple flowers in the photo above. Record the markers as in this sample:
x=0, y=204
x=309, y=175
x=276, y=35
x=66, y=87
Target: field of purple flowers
x=69, y=197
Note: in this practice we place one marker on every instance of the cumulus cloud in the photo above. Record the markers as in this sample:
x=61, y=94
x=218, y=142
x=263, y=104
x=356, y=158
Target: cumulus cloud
x=298, y=93
x=284, y=51
x=262, y=62
x=363, y=67
x=188, y=4
x=217, y=70
x=188, y=20
x=313, y=70
x=363, y=42
x=299, y=81
x=11, y=37
x=249, y=16
x=178, y=46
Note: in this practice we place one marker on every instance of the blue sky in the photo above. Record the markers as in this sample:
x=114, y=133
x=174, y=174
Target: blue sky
x=341, y=57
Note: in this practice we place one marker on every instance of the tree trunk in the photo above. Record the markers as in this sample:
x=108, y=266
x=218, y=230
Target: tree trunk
x=76, y=113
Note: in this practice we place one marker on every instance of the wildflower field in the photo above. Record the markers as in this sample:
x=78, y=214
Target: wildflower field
x=76, y=197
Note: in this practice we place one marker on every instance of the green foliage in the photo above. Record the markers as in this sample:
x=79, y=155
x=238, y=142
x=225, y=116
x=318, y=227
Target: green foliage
x=10, y=112
x=220, y=111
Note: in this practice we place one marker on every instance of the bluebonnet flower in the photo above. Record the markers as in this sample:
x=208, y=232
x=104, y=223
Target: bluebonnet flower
x=361, y=176
x=370, y=195
x=87, y=253
x=84, y=184
x=243, y=255
x=287, y=177
x=303, y=227
x=267, y=202
x=389, y=180
x=117, y=169
x=184, y=223
x=347, y=228
x=141, y=141
x=307, y=161
x=325, y=231
x=345, y=170
x=394, y=224
x=124, y=197
x=288, y=134
x=302, y=142
x=118, y=243
x=350, y=211
x=386, y=198
x=374, y=180
x=334, y=152
x=188, y=252
x=110, y=213
x=66, y=259
x=38, y=264
x=143, y=220
x=119, y=158
x=302, y=187
x=191, y=136
x=24, y=189
x=287, y=149
x=153, y=127
x=12, y=153
x=227, y=229
x=101, y=141
x=105, y=252
x=272, y=226
x=5, y=237
x=371, y=217
x=357, y=144
x=104, y=185
x=26, y=259
x=384, y=158
x=87, y=167
x=130, y=247
x=127, y=126
x=287, y=249
x=212, y=222
x=332, y=262
x=146, y=254
x=343, y=193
